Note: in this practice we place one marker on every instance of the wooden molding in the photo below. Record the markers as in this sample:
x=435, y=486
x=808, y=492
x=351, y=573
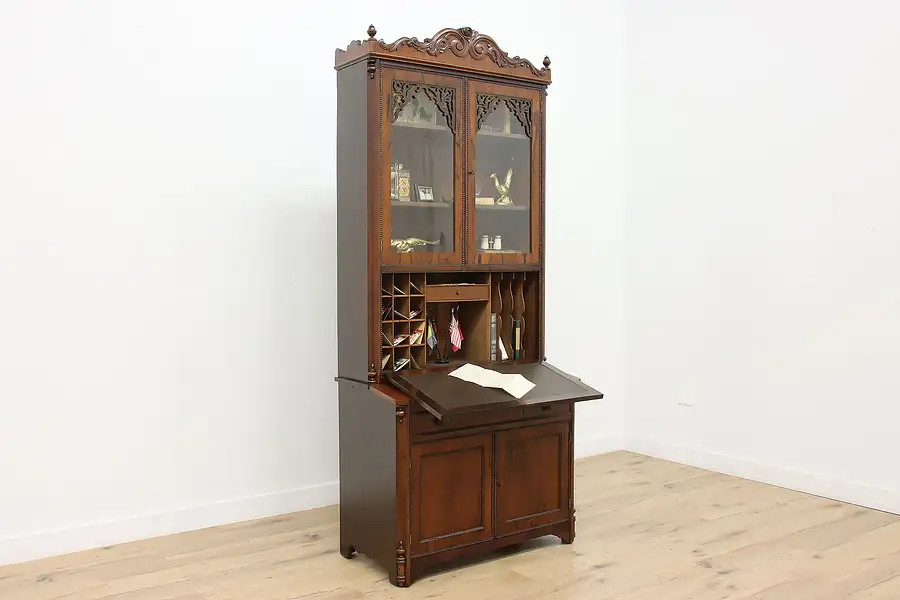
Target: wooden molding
x=460, y=48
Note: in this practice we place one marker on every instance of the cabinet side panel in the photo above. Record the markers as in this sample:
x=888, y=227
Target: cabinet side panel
x=368, y=460
x=352, y=216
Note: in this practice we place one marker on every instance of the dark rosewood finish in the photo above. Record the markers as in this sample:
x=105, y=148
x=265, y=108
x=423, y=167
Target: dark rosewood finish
x=433, y=469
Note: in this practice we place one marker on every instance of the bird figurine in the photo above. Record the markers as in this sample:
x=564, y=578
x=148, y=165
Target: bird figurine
x=406, y=245
x=503, y=189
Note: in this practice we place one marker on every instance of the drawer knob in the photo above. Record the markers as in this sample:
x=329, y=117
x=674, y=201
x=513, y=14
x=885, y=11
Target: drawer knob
x=457, y=292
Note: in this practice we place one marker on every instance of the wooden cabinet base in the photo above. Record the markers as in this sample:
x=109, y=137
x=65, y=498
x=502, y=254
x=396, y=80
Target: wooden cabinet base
x=414, y=496
x=422, y=564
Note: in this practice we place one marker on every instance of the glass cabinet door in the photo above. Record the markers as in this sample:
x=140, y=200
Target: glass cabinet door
x=504, y=174
x=422, y=166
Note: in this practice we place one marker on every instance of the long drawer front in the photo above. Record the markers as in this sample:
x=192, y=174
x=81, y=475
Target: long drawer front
x=424, y=423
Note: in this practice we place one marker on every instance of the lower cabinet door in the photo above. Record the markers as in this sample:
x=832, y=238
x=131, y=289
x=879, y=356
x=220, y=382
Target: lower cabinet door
x=532, y=477
x=451, y=493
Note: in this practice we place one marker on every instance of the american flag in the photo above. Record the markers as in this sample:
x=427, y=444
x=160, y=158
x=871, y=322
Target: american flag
x=456, y=336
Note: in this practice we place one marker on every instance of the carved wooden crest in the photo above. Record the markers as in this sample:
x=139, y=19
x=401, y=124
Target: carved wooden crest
x=461, y=42
x=462, y=48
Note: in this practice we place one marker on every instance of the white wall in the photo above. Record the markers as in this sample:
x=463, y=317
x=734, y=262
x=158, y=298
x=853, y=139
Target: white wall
x=166, y=173
x=763, y=240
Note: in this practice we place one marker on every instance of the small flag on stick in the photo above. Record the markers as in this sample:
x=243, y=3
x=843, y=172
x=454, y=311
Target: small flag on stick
x=430, y=337
x=456, y=336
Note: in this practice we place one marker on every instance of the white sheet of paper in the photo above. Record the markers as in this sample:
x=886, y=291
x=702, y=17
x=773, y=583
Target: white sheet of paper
x=503, y=354
x=473, y=374
x=515, y=385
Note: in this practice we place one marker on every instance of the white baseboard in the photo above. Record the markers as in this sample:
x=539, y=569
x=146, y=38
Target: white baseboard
x=596, y=445
x=817, y=485
x=41, y=544
x=94, y=535
x=61, y=541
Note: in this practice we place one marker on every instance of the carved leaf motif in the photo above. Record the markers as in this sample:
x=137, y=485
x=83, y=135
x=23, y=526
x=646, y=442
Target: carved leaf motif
x=403, y=91
x=520, y=107
x=461, y=42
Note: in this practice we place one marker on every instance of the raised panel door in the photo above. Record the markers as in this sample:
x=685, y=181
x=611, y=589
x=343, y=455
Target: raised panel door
x=532, y=477
x=421, y=162
x=451, y=493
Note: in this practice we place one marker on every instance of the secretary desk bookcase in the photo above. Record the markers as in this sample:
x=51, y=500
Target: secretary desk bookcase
x=440, y=184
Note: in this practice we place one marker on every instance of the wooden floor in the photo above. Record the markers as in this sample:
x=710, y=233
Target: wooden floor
x=646, y=530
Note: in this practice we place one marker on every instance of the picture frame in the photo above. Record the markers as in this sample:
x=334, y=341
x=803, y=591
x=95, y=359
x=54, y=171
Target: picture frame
x=425, y=193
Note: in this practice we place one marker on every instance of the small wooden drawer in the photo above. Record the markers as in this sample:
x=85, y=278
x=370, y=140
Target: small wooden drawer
x=543, y=411
x=424, y=422
x=457, y=293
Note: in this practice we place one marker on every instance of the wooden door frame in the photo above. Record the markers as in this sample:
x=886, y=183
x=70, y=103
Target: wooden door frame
x=420, y=259
x=533, y=257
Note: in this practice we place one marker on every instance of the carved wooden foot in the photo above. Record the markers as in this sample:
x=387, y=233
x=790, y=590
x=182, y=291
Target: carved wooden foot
x=566, y=532
x=347, y=550
x=402, y=578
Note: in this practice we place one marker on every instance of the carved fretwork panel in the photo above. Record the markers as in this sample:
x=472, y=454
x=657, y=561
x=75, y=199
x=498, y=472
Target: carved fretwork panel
x=485, y=106
x=520, y=107
x=404, y=91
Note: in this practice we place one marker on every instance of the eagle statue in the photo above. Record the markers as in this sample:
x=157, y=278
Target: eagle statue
x=405, y=245
x=503, y=189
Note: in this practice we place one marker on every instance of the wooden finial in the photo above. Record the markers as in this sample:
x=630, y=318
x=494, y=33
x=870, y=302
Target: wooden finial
x=371, y=31
x=547, y=62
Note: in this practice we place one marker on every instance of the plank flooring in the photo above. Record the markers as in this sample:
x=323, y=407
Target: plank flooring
x=647, y=529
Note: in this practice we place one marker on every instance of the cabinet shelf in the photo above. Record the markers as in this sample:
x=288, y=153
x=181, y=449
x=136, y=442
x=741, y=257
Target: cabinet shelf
x=417, y=204
x=504, y=207
x=426, y=126
x=500, y=134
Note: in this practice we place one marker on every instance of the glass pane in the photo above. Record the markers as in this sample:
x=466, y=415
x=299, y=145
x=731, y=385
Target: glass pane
x=422, y=189
x=502, y=182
